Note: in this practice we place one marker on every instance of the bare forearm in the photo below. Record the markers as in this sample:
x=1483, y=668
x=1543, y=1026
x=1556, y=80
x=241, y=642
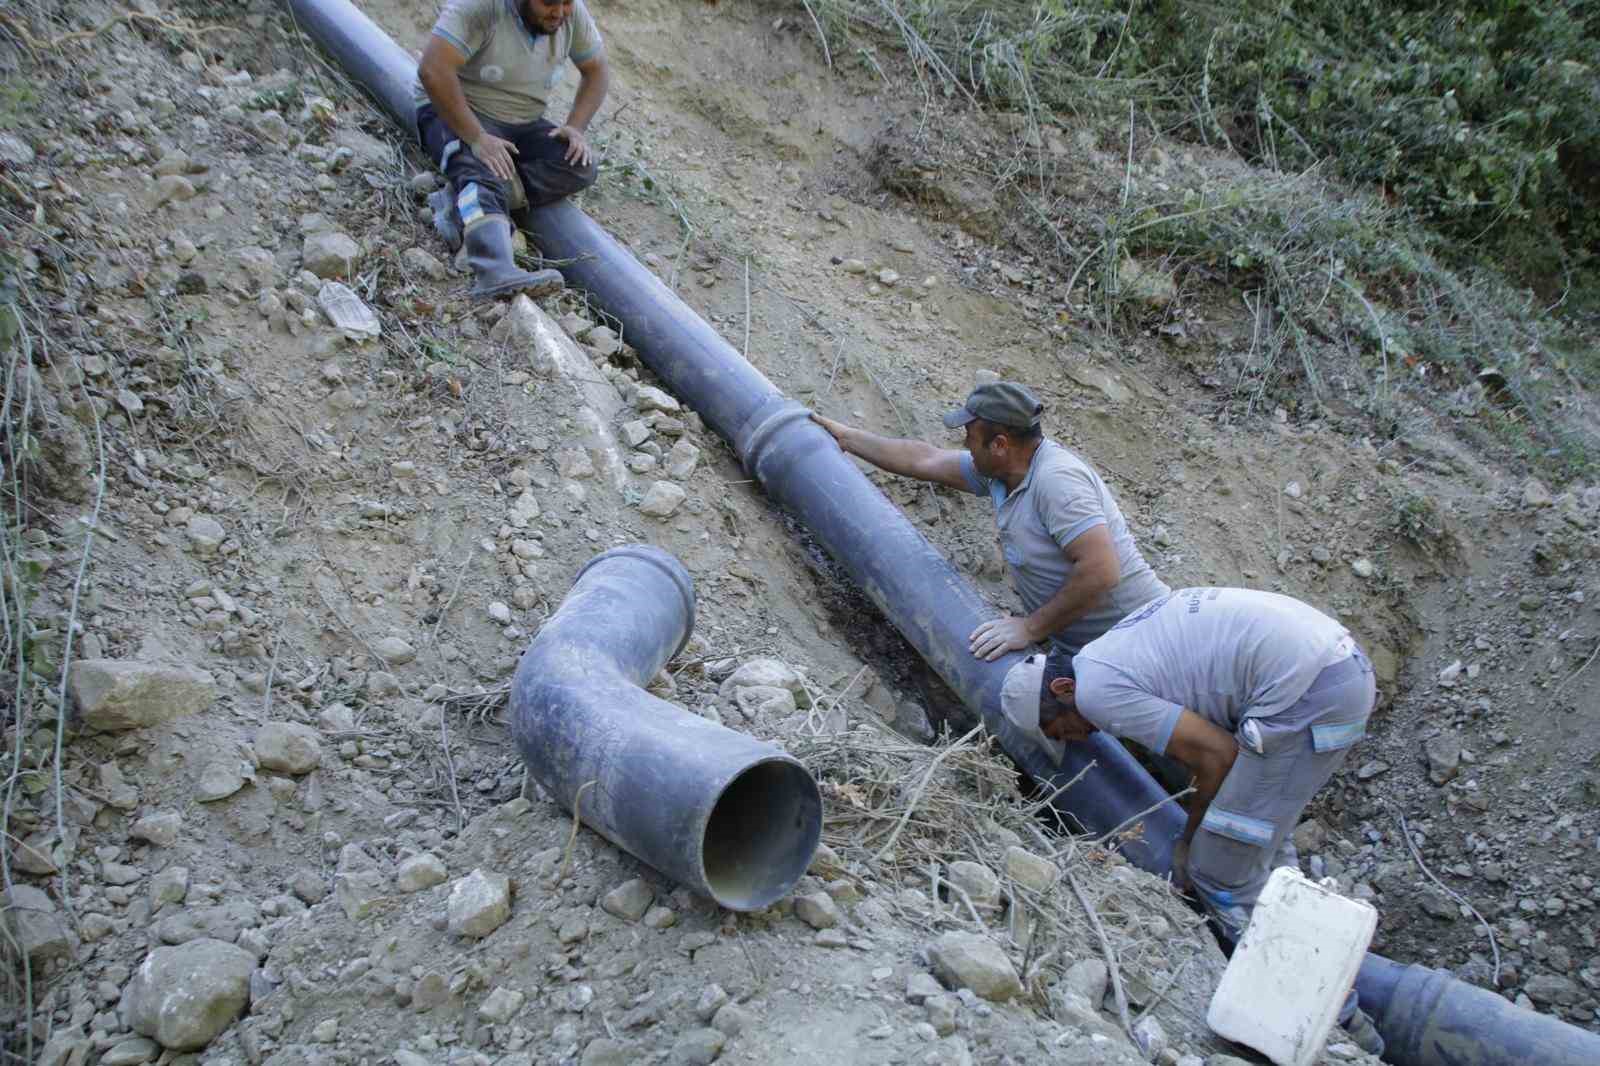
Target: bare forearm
x=592, y=89
x=1206, y=784
x=1071, y=602
x=444, y=89
x=897, y=455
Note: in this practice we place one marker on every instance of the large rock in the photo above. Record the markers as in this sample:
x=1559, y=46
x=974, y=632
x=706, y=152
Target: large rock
x=288, y=747
x=967, y=960
x=329, y=254
x=30, y=917
x=479, y=904
x=115, y=694
x=184, y=996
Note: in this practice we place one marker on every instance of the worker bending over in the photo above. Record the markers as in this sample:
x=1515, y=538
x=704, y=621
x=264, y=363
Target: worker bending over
x=1259, y=695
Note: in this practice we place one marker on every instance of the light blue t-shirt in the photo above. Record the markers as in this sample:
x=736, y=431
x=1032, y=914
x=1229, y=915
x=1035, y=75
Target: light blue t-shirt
x=1225, y=654
x=1059, y=500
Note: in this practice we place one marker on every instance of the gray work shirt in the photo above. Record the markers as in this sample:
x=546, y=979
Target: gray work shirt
x=510, y=72
x=1225, y=654
x=1059, y=500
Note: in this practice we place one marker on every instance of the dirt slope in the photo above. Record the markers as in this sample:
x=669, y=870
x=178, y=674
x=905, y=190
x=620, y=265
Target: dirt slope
x=357, y=537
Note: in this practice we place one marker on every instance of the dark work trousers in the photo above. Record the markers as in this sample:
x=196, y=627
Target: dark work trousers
x=546, y=175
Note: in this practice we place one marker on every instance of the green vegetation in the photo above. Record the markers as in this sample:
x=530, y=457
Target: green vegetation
x=1425, y=171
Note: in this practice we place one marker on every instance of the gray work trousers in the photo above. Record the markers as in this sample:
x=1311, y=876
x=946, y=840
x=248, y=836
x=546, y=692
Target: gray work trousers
x=1248, y=829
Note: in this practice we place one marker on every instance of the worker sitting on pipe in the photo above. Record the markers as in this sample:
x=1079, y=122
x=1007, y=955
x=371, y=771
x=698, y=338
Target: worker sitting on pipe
x=1259, y=695
x=1072, y=559
x=486, y=74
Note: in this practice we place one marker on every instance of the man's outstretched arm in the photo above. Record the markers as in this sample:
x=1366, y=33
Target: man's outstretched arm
x=898, y=455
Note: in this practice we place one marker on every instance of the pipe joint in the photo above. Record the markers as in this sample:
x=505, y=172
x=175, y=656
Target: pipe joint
x=761, y=440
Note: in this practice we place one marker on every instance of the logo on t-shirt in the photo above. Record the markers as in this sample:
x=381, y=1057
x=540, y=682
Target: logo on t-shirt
x=1145, y=612
x=492, y=73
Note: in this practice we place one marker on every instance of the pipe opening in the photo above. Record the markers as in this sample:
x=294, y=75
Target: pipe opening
x=761, y=835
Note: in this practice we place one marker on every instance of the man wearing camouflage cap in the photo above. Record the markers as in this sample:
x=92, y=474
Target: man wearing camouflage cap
x=1072, y=559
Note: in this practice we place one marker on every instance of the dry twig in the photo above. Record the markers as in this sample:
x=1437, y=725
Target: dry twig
x=922, y=787
x=1112, y=969
x=577, y=820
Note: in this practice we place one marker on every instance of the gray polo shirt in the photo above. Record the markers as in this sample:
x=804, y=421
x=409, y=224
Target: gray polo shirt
x=1225, y=654
x=1059, y=500
x=510, y=73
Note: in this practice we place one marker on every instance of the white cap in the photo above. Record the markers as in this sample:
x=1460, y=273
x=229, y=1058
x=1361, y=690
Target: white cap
x=1019, y=702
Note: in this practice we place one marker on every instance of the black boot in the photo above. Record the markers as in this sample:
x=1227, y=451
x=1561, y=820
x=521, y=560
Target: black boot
x=445, y=222
x=495, y=273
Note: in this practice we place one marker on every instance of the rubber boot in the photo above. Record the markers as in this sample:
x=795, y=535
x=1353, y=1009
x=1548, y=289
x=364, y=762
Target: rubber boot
x=445, y=222
x=494, y=271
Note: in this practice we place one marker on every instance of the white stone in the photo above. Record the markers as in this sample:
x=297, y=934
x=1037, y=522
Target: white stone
x=205, y=535
x=682, y=460
x=419, y=872
x=976, y=880
x=499, y=612
x=650, y=398
x=629, y=900
x=184, y=996
x=394, y=651
x=157, y=827
x=662, y=500
x=30, y=920
x=770, y=673
x=501, y=1006
x=288, y=747
x=1031, y=871
x=968, y=960
x=479, y=904
x=330, y=255
x=524, y=509
x=818, y=910
x=1283, y=988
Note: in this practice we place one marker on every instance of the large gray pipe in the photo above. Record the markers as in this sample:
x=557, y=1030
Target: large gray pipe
x=931, y=604
x=732, y=817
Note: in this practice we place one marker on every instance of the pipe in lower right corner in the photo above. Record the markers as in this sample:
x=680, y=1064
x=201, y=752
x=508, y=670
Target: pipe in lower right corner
x=1428, y=1016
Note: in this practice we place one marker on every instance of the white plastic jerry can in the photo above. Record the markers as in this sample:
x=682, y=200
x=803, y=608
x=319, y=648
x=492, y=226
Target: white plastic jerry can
x=1283, y=988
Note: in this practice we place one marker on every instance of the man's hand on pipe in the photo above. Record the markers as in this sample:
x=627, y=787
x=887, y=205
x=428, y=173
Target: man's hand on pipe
x=838, y=430
x=997, y=636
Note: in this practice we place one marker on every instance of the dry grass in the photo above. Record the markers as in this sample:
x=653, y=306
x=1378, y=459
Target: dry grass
x=900, y=812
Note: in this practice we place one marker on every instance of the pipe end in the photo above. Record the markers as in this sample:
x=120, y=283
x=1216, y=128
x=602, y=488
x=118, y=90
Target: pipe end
x=761, y=835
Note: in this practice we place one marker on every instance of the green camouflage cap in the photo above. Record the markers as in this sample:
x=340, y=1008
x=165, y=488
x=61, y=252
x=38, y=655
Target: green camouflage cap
x=1005, y=403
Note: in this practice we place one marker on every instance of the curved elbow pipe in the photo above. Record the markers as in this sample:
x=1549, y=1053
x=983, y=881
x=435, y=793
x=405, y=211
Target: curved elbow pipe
x=1428, y=1018
x=733, y=818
